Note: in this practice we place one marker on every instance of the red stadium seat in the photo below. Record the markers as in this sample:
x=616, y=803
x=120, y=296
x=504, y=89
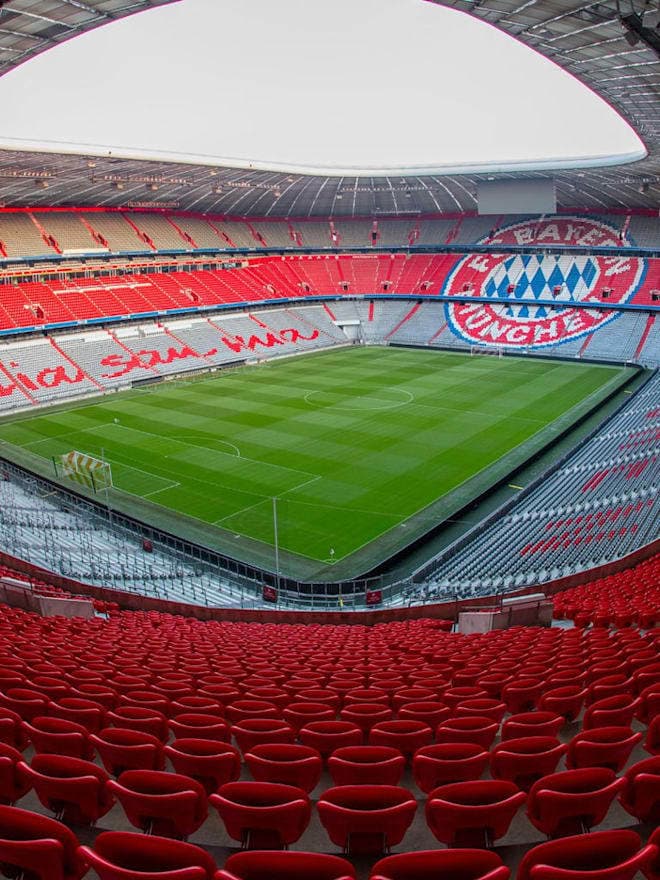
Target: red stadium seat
x=139, y=718
x=121, y=749
x=405, y=735
x=36, y=847
x=325, y=696
x=601, y=855
x=257, y=731
x=209, y=762
x=486, y=707
x=275, y=695
x=470, y=729
x=532, y=724
x=167, y=804
x=285, y=866
x=326, y=736
x=644, y=677
x=300, y=714
x=566, y=701
x=457, y=864
x=11, y=678
x=448, y=762
x=651, y=869
x=263, y=815
x=98, y=693
x=74, y=790
x=641, y=796
x=59, y=737
x=365, y=715
x=123, y=855
x=25, y=702
x=472, y=813
x=616, y=711
x=199, y=725
x=612, y=685
x=366, y=819
x=652, y=741
x=573, y=800
x=649, y=704
x=88, y=713
x=203, y=705
x=522, y=694
x=454, y=696
x=366, y=695
x=366, y=765
x=608, y=747
x=525, y=760
x=242, y=710
x=11, y=731
x=53, y=688
x=13, y=783
x=493, y=682
x=290, y=764
x=146, y=700
x=430, y=712
x=413, y=694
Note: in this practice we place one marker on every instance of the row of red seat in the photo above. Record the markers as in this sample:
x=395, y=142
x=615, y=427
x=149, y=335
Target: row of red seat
x=622, y=599
x=354, y=699
x=47, y=850
x=55, y=300
x=369, y=814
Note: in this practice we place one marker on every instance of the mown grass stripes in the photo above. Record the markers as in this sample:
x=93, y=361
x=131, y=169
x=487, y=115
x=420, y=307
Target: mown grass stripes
x=352, y=442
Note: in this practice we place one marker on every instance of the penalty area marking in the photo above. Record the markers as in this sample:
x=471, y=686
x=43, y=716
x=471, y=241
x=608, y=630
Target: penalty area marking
x=187, y=439
x=203, y=443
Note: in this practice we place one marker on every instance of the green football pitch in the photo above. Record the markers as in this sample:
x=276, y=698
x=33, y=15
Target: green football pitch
x=351, y=442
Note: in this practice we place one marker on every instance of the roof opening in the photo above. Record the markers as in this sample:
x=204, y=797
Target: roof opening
x=402, y=87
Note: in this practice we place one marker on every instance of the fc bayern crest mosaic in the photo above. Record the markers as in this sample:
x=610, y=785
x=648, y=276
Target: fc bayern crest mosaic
x=540, y=288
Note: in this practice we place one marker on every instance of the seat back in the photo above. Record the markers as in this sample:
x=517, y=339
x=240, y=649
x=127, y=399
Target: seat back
x=464, y=864
x=169, y=804
x=127, y=856
x=35, y=844
x=600, y=855
x=265, y=815
x=285, y=866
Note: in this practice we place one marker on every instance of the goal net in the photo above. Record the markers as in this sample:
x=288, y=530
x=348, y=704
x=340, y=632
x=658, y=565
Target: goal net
x=492, y=350
x=84, y=469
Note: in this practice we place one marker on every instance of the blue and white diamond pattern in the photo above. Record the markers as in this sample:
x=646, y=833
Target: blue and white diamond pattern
x=535, y=277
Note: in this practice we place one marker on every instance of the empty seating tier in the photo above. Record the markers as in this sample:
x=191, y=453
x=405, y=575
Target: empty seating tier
x=91, y=750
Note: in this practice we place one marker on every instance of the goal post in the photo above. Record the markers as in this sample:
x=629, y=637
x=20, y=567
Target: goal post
x=488, y=350
x=95, y=473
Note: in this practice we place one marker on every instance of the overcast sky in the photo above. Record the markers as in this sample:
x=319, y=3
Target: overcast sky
x=309, y=85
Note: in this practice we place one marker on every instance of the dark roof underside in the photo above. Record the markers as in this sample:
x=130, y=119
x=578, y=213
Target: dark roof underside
x=586, y=38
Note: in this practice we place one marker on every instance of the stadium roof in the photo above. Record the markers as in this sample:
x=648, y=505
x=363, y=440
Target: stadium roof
x=608, y=45
x=28, y=27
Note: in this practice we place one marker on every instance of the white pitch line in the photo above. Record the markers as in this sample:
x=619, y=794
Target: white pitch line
x=49, y=439
x=392, y=404
x=239, y=512
x=300, y=485
x=265, y=499
x=281, y=467
x=190, y=441
x=155, y=491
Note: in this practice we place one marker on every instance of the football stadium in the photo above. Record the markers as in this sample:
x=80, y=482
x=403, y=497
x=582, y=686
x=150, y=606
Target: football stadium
x=330, y=440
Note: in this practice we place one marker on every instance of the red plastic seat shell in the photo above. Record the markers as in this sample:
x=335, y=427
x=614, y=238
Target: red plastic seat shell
x=124, y=855
x=457, y=864
x=273, y=865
